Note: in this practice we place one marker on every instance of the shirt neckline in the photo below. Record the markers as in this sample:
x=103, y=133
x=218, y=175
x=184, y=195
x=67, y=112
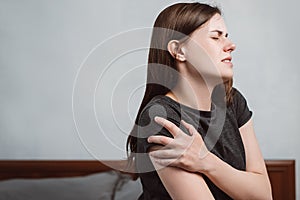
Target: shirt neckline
x=203, y=113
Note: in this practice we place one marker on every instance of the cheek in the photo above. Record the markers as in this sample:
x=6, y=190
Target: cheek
x=203, y=56
x=200, y=59
x=212, y=50
x=196, y=53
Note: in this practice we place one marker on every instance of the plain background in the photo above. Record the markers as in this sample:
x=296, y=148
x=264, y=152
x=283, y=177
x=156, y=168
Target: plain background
x=44, y=48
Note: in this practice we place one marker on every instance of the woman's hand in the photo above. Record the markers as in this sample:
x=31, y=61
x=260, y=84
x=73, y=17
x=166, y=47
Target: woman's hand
x=184, y=151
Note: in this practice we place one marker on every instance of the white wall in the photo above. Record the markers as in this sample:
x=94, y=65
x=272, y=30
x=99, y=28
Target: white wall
x=44, y=44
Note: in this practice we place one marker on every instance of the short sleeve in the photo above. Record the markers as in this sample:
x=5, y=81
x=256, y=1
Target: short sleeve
x=147, y=126
x=241, y=109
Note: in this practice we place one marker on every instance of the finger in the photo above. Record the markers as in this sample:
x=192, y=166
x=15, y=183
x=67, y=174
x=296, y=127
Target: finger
x=171, y=127
x=166, y=154
x=159, y=139
x=163, y=162
x=189, y=127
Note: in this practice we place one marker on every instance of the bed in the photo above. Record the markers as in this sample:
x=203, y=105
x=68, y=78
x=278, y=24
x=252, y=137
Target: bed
x=59, y=179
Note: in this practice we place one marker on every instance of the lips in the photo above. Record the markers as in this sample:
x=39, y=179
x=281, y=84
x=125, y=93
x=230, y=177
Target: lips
x=227, y=59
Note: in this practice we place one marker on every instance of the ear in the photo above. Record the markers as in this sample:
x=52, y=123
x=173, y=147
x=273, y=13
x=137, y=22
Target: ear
x=176, y=50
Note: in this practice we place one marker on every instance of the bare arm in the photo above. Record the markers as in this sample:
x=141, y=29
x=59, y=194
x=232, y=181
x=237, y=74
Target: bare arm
x=182, y=184
x=250, y=184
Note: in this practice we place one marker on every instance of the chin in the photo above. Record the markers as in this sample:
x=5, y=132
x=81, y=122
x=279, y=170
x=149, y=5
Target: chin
x=219, y=78
x=227, y=75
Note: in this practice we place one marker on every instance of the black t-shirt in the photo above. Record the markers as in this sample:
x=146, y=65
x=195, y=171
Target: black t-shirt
x=219, y=129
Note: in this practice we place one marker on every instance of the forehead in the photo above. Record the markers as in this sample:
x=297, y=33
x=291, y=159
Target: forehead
x=215, y=23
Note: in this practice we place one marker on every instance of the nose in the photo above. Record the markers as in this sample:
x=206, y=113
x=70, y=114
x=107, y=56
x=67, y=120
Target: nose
x=229, y=46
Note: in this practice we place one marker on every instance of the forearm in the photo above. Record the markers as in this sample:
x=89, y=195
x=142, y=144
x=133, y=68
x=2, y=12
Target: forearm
x=237, y=184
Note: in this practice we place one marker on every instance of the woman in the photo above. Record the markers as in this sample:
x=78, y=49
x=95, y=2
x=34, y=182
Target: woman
x=202, y=143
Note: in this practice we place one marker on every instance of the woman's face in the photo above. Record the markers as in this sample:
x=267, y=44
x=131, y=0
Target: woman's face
x=209, y=49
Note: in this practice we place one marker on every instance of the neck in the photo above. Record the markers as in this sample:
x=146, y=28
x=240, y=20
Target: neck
x=193, y=91
x=195, y=94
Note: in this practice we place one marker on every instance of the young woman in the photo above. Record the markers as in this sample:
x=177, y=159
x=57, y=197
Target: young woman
x=196, y=127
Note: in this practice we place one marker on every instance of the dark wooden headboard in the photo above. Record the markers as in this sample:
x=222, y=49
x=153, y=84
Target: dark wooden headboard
x=56, y=168
x=281, y=172
x=282, y=177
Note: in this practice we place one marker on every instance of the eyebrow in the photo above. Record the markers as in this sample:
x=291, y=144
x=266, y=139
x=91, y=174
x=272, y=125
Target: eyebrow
x=220, y=32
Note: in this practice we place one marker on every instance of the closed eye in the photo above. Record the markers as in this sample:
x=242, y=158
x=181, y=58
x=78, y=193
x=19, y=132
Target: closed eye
x=215, y=38
x=220, y=33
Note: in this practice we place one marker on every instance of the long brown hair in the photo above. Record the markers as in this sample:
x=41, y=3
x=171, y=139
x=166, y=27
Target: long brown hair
x=181, y=18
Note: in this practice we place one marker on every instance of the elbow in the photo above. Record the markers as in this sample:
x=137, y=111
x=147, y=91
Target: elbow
x=269, y=192
x=266, y=193
x=263, y=193
x=268, y=196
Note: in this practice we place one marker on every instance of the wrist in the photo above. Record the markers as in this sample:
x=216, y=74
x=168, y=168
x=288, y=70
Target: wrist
x=208, y=165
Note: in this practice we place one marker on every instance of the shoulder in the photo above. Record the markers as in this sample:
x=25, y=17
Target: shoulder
x=238, y=97
x=237, y=93
x=240, y=107
x=146, y=126
x=161, y=106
